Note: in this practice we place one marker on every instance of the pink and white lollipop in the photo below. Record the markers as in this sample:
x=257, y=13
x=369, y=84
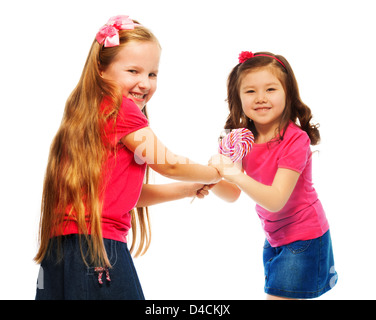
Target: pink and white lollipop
x=237, y=144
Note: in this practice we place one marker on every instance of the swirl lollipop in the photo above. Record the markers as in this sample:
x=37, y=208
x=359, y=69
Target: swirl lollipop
x=236, y=144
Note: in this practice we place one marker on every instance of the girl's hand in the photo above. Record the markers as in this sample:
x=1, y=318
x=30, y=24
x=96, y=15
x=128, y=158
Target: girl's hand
x=204, y=191
x=152, y=194
x=198, y=190
x=226, y=168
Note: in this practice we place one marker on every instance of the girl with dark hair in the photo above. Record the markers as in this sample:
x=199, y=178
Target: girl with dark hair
x=263, y=96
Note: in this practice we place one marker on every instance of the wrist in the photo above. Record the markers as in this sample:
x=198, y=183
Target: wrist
x=186, y=189
x=216, y=176
x=232, y=173
x=233, y=176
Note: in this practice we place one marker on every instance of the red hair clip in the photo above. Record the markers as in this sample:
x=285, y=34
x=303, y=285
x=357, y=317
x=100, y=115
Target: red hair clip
x=245, y=55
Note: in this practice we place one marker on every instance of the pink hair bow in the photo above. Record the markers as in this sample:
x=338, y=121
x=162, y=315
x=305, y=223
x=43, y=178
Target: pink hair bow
x=109, y=33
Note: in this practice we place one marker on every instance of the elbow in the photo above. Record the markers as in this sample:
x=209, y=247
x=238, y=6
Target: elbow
x=276, y=206
x=275, y=201
x=274, y=209
x=232, y=197
x=170, y=171
x=167, y=170
x=231, y=200
x=229, y=195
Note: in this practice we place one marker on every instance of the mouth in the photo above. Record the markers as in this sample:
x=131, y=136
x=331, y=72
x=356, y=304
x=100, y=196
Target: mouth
x=138, y=96
x=262, y=109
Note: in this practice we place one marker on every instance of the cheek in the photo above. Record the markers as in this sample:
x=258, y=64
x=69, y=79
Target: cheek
x=242, y=101
x=281, y=102
x=118, y=77
x=152, y=90
x=246, y=105
x=125, y=84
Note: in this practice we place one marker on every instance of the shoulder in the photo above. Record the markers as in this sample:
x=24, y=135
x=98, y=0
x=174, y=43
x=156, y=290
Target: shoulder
x=129, y=119
x=129, y=112
x=294, y=149
x=294, y=134
x=129, y=107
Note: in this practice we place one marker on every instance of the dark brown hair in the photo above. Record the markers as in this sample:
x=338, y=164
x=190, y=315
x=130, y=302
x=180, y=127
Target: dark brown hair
x=295, y=110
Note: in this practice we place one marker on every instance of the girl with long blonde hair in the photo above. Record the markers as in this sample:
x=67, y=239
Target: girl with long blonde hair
x=95, y=188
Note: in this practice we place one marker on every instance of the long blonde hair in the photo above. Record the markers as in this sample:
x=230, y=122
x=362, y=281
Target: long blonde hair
x=73, y=183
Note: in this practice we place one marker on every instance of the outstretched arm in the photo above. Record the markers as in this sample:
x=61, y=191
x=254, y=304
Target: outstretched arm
x=273, y=198
x=227, y=191
x=148, y=148
x=152, y=194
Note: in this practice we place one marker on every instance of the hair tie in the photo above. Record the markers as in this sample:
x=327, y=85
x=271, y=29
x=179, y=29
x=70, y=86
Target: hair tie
x=246, y=55
x=108, y=35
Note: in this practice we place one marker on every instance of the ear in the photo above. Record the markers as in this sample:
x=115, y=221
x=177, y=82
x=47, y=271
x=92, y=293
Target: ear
x=100, y=70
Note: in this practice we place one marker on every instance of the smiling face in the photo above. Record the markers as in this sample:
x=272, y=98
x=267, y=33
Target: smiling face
x=135, y=70
x=263, y=98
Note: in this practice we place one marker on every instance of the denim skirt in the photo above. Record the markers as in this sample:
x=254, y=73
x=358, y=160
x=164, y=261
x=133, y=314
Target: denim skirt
x=301, y=269
x=70, y=278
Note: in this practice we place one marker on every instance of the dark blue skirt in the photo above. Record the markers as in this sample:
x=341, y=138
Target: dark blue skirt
x=72, y=279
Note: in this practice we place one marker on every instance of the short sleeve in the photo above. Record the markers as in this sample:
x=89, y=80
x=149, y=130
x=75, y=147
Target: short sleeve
x=129, y=119
x=296, y=152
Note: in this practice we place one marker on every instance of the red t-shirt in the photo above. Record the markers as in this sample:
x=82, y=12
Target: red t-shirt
x=303, y=217
x=124, y=176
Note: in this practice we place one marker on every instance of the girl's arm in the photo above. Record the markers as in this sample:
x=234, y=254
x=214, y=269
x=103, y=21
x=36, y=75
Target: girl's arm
x=273, y=198
x=148, y=148
x=152, y=194
x=227, y=191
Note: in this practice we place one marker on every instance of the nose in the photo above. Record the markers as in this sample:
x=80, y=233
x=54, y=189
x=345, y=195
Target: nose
x=144, y=83
x=261, y=97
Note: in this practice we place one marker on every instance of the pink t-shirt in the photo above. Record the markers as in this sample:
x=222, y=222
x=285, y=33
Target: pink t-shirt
x=303, y=217
x=124, y=176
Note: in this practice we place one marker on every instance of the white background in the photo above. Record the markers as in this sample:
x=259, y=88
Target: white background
x=209, y=249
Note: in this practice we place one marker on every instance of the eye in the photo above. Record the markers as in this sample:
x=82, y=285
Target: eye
x=132, y=71
x=250, y=91
x=271, y=89
x=152, y=75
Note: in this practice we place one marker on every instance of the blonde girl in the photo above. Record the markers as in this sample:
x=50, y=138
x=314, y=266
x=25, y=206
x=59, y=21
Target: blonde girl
x=263, y=96
x=94, y=189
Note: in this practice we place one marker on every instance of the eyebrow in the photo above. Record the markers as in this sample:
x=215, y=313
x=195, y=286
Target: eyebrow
x=266, y=85
x=131, y=66
x=138, y=67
